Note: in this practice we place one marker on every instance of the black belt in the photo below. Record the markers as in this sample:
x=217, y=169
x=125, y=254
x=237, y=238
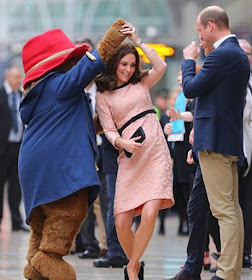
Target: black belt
x=136, y=117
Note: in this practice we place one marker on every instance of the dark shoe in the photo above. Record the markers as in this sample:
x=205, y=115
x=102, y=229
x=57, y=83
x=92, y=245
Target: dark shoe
x=215, y=256
x=182, y=275
x=215, y=277
x=140, y=274
x=21, y=227
x=110, y=261
x=142, y=263
x=77, y=250
x=126, y=276
x=89, y=254
x=247, y=262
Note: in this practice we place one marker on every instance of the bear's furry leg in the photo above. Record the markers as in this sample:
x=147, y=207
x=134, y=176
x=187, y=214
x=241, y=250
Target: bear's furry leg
x=36, y=222
x=53, y=267
x=31, y=273
x=64, y=218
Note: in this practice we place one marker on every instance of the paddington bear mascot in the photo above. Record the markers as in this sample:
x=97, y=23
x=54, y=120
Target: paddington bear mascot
x=57, y=157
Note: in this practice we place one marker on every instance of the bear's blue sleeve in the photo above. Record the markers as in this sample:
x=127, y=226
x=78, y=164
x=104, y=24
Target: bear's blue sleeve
x=74, y=81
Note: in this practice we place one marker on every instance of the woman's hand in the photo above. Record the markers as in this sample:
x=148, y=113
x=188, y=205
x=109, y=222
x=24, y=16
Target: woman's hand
x=168, y=129
x=129, y=30
x=132, y=146
x=129, y=145
x=175, y=115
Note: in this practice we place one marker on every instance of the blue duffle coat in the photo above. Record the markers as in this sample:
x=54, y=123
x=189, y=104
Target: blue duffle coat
x=57, y=154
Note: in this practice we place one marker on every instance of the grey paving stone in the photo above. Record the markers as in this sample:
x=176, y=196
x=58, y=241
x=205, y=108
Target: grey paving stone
x=163, y=257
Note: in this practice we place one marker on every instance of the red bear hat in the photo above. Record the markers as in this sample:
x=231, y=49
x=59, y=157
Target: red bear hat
x=47, y=51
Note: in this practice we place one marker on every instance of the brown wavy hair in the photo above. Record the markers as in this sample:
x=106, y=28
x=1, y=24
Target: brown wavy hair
x=108, y=79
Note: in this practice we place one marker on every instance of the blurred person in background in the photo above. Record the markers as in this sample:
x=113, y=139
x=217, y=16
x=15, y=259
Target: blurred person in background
x=86, y=241
x=245, y=171
x=218, y=128
x=85, y=41
x=11, y=131
x=183, y=172
x=172, y=97
x=115, y=256
x=143, y=184
x=168, y=127
x=160, y=106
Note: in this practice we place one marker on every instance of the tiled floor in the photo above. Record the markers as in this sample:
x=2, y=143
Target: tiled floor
x=163, y=257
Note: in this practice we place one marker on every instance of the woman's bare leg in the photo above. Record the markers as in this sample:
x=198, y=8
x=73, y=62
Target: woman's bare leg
x=135, y=245
x=145, y=229
x=124, y=233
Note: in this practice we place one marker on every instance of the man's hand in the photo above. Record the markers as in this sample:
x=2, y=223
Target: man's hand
x=190, y=157
x=191, y=51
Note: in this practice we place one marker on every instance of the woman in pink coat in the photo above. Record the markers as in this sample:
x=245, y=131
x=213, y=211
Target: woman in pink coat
x=143, y=185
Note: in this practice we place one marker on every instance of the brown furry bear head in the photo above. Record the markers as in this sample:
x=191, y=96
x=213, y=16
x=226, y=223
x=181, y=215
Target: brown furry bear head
x=107, y=47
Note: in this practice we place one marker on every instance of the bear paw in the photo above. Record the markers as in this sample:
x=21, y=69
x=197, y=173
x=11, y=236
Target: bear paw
x=53, y=267
x=31, y=273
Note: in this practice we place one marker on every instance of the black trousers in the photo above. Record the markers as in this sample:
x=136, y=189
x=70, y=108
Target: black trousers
x=245, y=196
x=198, y=214
x=214, y=231
x=9, y=174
